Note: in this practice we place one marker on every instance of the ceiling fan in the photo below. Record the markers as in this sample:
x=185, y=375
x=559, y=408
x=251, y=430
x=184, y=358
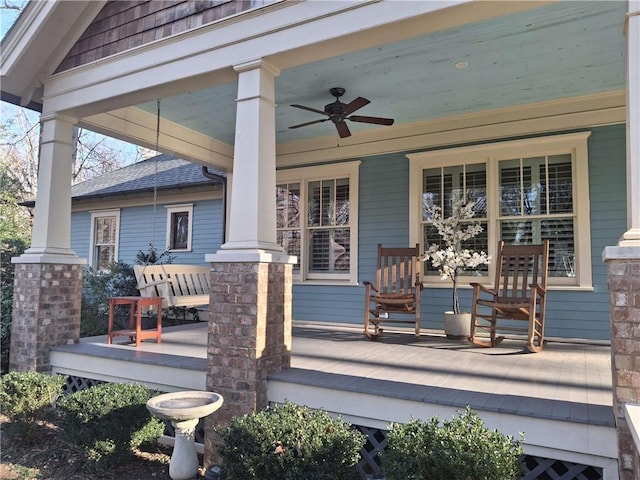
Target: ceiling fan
x=338, y=112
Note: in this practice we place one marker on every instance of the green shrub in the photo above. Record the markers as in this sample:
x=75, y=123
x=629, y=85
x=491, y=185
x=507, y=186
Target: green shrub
x=289, y=442
x=110, y=420
x=462, y=449
x=151, y=257
x=97, y=286
x=28, y=395
x=26, y=398
x=9, y=247
x=118, y=280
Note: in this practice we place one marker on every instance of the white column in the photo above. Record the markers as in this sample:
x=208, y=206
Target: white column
x=632, y=236
x=252, y=213
x=51, y=237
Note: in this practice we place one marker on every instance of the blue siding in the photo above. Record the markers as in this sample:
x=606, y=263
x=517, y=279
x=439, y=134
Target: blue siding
x=80, y=233
x=138, y=232
x=384, y=219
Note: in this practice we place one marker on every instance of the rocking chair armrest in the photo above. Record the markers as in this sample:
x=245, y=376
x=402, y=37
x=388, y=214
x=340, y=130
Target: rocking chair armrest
x=538, y=289
x=481, y=288
x=370, y=285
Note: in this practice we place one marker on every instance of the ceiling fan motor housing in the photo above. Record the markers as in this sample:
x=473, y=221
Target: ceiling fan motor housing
x=335, y=111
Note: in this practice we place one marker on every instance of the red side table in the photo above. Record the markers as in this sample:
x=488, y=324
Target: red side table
x=136, y=305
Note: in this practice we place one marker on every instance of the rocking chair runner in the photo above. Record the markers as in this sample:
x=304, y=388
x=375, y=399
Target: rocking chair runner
x=519, y=294
x=397, y=289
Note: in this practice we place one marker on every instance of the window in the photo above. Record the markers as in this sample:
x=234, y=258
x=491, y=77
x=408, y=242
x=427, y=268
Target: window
x=316, y=212
x=105, y=231
x=536, y=203
x=525, y=191
x=179, y=227
x=442, y=187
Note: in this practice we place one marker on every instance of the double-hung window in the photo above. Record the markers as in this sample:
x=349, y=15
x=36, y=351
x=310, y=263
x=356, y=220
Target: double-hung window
x=179, y=227
x=442, y=187
x=317, y=209
x=105, y=232
x=525, y=191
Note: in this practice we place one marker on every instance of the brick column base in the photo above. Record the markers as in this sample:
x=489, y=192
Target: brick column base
x=624, y=291
x=46, y=312
x=249, y=338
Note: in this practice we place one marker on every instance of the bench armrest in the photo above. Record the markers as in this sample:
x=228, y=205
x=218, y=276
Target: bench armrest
x=142, y=285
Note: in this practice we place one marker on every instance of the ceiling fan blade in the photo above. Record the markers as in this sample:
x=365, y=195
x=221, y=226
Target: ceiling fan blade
x=376, y=120
x=343, y=130
x=310, y=109
x=310, y=123
x=355, y=105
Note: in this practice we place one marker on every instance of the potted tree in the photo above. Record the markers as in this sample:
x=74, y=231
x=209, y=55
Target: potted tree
x=451, y=258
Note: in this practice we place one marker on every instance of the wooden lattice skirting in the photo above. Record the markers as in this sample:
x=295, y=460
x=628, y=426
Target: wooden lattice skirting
x=536, y=468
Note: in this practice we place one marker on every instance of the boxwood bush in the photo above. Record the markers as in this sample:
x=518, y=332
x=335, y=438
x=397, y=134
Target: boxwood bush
x=26, y=398
x=289, y=442
x=462, y=449
x=29, y=395
x=110, y=420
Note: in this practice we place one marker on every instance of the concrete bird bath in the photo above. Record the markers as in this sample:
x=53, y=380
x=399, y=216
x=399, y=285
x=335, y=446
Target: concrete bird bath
x=184, y=410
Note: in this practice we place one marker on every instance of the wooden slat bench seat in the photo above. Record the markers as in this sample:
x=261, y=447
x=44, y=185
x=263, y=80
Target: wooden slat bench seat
x=178, y=285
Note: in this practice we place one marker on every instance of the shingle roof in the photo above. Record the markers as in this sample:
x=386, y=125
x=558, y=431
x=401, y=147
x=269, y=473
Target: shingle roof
x=162, y=172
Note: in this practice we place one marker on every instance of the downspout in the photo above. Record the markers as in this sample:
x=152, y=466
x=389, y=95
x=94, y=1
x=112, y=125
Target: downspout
x=222, y=181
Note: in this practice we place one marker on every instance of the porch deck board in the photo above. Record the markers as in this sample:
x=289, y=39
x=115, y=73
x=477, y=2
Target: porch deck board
x=567, y=381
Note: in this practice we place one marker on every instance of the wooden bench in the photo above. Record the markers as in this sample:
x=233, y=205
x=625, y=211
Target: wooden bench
x=178, y=285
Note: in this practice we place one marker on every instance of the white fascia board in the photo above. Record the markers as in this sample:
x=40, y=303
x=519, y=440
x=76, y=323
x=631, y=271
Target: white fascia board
x=137, y=126
x=378, y=411
x=286, y=33
x=160, y=377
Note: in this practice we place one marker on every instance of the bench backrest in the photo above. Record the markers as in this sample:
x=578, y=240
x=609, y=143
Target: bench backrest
x=172, y=281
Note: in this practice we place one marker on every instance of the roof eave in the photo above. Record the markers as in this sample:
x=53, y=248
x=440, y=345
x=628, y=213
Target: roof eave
x=127, y=193
x=36, y=44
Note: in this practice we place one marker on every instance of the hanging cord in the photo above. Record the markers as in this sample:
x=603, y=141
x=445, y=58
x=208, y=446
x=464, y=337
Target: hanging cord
x=155, y=179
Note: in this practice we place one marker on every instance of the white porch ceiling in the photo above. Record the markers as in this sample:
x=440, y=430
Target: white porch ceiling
x=559, y=50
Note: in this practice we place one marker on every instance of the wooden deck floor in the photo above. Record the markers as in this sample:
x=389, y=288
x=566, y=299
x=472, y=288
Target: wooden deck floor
x=561, y=398
x=569, y=381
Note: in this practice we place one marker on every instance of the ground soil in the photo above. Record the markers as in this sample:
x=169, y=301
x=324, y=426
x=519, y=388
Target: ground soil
x=48, y=456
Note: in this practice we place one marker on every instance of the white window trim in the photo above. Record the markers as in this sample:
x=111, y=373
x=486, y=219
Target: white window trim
x=491, y=154
x=305, y=175
x=171, y=209
x=92, y=244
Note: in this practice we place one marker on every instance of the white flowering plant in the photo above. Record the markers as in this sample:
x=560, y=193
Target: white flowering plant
x=450, y=258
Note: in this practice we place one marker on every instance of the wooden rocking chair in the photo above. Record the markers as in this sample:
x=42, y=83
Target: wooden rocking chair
x=520, y=294
x=397, y=290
